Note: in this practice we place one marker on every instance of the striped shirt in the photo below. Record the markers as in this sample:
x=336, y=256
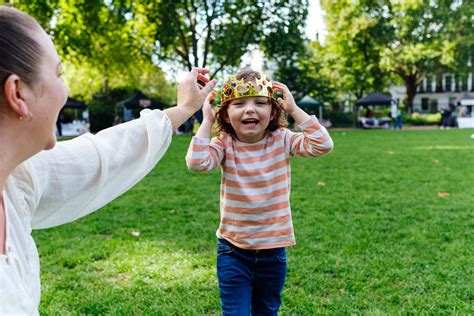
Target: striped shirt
x=255, y=184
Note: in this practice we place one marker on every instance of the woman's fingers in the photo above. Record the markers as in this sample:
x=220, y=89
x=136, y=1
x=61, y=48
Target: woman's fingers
x=197, y=70
x=198, y=74
x=209, y=86
x=202, y=78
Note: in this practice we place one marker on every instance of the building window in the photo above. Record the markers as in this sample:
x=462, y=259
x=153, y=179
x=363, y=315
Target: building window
x=424, y=104
x=439, y=83
x=421, y=87
x=457, y=84
x=452, y=100
x=448, y=82
x=464, y=83
x=433, y=105
x=428, y=84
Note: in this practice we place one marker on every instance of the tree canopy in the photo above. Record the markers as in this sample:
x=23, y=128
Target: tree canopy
x=410, y=39
x=370, y=44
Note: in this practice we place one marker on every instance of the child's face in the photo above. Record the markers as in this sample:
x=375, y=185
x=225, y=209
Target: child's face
x=249, y=117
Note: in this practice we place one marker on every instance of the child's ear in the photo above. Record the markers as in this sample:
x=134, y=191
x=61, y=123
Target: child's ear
x=226, y=117
x=274, y=111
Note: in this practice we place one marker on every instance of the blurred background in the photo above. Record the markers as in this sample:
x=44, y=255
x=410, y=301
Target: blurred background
x=418, y=53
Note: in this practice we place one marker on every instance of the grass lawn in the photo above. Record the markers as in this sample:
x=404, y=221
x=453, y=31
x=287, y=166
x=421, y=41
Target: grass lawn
x=384, y=225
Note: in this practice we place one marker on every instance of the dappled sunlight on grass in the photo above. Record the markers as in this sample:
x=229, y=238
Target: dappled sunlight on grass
x=158, y=265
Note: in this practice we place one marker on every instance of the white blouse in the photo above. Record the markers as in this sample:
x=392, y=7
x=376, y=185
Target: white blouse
x=68, y=182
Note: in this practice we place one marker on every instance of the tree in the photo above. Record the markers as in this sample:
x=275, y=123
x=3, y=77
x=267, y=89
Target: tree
x=109, y=36
x=307, y=76
x=217, y=33
x=408, y=38
x=419, y=41
x=352, y=49
x=100, y=46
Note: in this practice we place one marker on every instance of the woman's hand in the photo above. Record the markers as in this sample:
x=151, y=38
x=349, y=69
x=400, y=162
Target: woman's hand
x=208, y=113
x=191, y=93
x=287, y=102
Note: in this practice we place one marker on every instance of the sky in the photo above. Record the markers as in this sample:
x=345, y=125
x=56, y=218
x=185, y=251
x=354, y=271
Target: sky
x=315, y=22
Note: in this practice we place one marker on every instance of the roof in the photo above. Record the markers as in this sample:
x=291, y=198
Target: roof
x=465, y=99
x=139, y=101
x=75, y=104
x=374, y=99
x=308, y=101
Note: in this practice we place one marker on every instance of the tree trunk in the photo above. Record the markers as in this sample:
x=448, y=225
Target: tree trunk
x=411, y=84
x=106, y=86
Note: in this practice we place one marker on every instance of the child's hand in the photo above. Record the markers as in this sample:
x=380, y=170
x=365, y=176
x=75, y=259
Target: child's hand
x=208, y=113
x=287, y=102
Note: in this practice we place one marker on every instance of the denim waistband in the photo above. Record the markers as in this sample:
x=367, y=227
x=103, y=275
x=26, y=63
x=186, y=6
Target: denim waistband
x=262, y=252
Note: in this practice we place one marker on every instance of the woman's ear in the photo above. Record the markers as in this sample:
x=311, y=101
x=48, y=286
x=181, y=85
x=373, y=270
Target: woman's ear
x=15, y=93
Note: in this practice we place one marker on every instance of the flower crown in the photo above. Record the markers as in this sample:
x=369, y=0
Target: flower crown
x=238, y=88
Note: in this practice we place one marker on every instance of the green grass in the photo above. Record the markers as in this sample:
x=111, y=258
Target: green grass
x=375, y=239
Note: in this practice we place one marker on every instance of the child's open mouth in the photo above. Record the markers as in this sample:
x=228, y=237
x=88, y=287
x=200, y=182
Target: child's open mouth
x=250, y=122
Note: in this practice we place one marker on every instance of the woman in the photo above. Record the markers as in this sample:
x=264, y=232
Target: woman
x=43, y=185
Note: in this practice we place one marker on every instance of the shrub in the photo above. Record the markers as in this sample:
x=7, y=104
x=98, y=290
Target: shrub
x=340, y=119
x=423, y=119
x=102, y=108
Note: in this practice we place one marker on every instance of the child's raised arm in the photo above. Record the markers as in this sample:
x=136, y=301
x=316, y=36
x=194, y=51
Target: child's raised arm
x=204, y=155
x=208, y=119
x=289, y=105
x=314, y=140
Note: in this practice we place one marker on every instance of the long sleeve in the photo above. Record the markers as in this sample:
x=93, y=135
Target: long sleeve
x=204, y=155
x=313, y=141
x=81, y=175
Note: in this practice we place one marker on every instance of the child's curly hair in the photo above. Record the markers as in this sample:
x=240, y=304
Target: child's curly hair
x=277, y=119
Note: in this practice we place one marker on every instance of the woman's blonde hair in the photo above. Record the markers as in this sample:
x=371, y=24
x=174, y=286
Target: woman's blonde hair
x=278, y=116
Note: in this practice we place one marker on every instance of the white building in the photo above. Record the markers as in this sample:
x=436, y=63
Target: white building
x=436, y=91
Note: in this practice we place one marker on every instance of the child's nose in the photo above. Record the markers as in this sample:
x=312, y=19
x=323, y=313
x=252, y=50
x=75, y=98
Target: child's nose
x=250, y=107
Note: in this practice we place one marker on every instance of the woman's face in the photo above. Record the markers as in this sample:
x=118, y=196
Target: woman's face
x=49, y=94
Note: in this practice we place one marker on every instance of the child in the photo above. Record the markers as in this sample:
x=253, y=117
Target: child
x=253, y=151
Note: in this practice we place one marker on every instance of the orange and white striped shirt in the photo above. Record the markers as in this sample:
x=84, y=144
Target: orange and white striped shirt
x=255, y=184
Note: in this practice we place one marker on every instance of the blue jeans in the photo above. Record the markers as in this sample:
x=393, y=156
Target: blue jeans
x=250, y=281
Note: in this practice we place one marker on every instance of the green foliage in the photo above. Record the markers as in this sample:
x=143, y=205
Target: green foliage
x=101, y=47
x=85, y=80
x=423, y=119
x=340, y=119
x=307, y=76
x=389, y=232
x=352, y=53
x=370, y=40
x=41, y=10
x=217, y=34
